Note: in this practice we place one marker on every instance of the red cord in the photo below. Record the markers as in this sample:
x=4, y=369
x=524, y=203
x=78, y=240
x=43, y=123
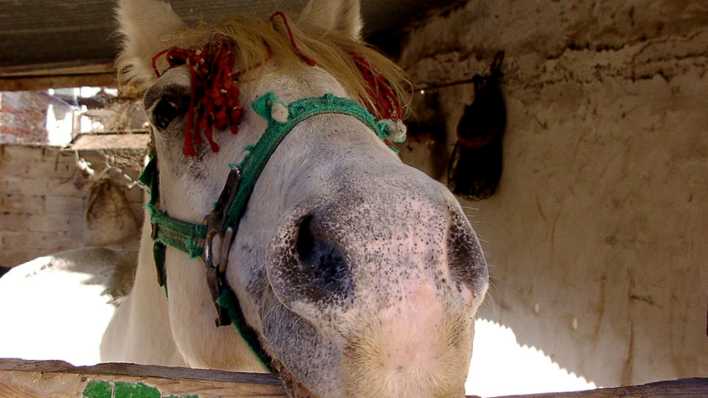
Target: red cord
x=387, y=105
x=154, y=61
x=215, y=98
x=293, y=43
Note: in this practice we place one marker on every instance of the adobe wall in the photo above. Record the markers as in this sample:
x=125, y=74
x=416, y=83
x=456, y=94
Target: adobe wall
x=596, y=238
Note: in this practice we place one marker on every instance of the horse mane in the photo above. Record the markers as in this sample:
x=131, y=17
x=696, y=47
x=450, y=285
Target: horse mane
x=288, y=44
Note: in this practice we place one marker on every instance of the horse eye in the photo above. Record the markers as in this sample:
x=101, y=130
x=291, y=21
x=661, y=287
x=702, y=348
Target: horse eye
x=168, y=108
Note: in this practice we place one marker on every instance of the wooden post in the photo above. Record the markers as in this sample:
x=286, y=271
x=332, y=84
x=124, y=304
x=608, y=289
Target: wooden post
x=49, y=379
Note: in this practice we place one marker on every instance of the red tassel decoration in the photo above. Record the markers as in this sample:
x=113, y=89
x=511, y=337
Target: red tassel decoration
x=215, y=97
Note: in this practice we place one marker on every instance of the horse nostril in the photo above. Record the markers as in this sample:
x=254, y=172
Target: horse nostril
x=322, y=263
x=305, y=240
x=465, y=256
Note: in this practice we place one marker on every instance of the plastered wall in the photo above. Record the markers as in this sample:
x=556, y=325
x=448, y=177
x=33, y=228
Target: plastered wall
x=598, y=236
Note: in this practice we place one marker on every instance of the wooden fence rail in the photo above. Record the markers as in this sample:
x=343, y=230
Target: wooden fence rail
x=55, y=379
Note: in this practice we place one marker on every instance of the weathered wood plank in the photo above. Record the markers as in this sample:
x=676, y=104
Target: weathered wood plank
x=56, y=75
x=40, y=379
x=34, y=379
x=100, y=141
x=71, y=68
x=33, y=83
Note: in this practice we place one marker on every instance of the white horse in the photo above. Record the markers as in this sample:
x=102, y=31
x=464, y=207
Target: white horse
x=358, y=275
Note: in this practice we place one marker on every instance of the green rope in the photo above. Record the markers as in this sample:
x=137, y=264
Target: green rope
x=190, y=238
x=181, y=235
x=229, y=301
x=258, y=155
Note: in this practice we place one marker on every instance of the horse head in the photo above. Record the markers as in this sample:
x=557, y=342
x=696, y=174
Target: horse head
x=358, y=274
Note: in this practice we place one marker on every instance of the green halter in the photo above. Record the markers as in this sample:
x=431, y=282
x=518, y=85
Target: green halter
x=196, y=239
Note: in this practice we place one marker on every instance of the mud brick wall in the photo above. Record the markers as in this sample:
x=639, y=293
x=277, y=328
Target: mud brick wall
x=23, y=116
x=43, y=202
x=596, y=238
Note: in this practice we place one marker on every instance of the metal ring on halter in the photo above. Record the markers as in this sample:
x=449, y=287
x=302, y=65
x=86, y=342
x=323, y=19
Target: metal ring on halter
x=214, y=274
x=209, y=249
x=227, y=239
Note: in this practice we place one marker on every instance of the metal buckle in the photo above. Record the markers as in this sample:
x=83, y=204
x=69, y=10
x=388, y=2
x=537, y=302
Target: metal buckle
x=216, y=227
x=216, y=260
x=227, y=240
x=209, y=248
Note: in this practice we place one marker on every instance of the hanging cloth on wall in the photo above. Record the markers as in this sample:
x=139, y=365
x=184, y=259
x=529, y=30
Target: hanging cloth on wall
x=475, y=166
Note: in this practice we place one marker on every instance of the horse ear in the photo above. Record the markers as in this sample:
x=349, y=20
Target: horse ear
x=143, y=25
x=342, y=16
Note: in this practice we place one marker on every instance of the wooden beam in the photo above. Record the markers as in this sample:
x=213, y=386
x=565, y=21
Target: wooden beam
x=99, y=141
x=35, y=379
x=56, y=75
x=46, y=82
x=57, y=68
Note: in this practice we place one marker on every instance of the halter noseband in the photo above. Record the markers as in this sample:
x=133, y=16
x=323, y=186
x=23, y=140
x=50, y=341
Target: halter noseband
x=221, y=225
x=215, y=105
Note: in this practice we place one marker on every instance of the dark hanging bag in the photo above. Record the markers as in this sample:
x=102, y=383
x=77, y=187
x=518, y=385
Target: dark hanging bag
x=475, y=166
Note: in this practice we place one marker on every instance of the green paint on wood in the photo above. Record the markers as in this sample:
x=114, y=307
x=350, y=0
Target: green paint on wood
x=135, y=390
x=98, y=389
x=119, y=389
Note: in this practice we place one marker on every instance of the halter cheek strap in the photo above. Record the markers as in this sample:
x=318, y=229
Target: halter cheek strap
x=198, y=240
